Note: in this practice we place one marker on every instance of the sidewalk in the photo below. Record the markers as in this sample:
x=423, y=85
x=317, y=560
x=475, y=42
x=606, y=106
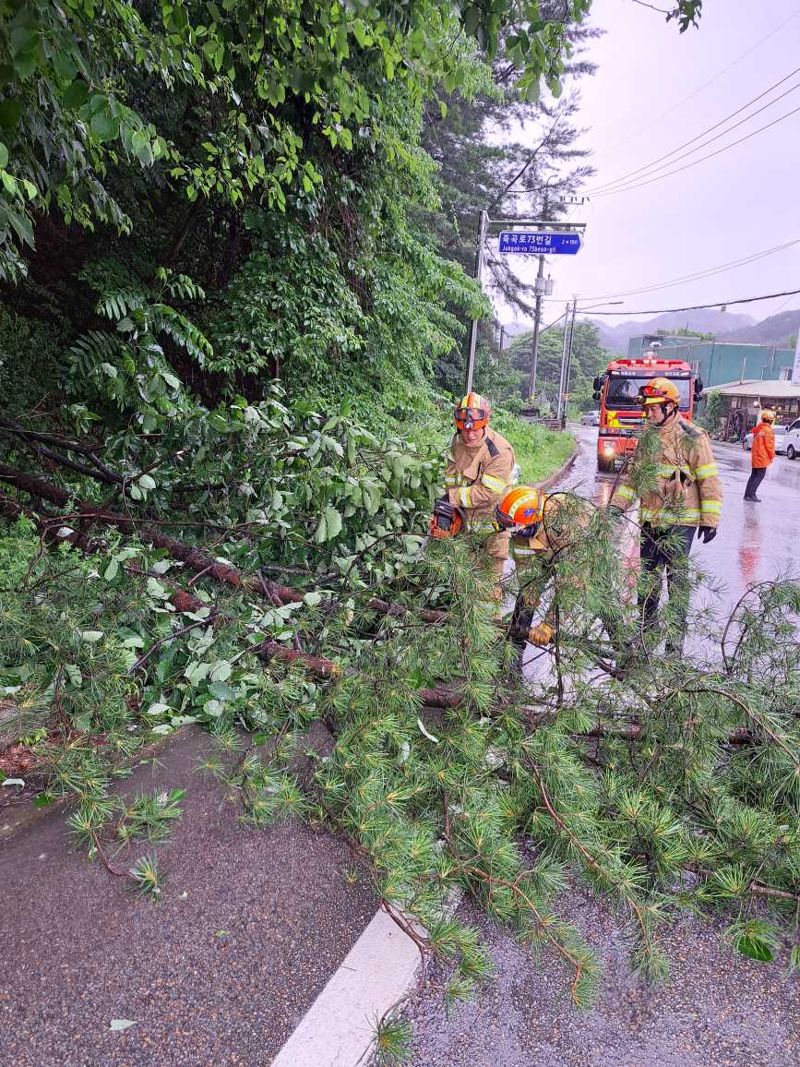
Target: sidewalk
x=251, y=925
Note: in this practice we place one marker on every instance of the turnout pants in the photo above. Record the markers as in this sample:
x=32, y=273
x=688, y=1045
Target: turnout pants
x=665, y=548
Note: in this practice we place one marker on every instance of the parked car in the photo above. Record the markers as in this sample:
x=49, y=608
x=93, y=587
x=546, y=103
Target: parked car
x=791, y=440
x=781, y=434
x=590, y=418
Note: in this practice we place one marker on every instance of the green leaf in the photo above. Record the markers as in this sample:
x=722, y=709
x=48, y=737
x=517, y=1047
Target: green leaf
x=64, y=66
x=104, y=126
x=221, y=671
x=111, y=570
x=156, y=589
x=24, y=65
x=91, y=637
x=10, y=113
x=146, y=482
x=158, y=709
x=222, y=691
x=140, y=143
x=23, y=39
x=755, y=949
x=3, y=155
x=75, y=95
x=334, y=523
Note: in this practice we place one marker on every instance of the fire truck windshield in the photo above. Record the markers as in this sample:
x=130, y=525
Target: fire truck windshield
x=622, y=391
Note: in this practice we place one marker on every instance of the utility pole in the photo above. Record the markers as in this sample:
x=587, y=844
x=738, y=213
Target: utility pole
x=473, y=337
x=537, y=320
x=563, y=412
x=537, y=315
x=563, y=374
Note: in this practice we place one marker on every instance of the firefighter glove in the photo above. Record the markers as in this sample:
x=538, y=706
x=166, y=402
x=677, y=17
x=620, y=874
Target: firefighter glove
x=541, y=635
x=707, y=533
x=443, y=508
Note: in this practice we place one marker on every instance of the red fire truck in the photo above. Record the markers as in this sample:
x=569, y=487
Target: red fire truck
x=621, y=418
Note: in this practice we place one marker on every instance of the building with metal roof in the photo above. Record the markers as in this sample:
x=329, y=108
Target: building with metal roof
x=717, y=362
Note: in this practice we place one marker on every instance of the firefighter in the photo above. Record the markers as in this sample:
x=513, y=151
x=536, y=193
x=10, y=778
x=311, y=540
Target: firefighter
x=480, y=469
x=763, y=453
x=548, y=530
x=686, y=502
x=520, y=513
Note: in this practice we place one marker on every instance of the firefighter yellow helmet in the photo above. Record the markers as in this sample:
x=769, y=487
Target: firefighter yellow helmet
x=521, y=506
x=659, y=391
x=767, y=415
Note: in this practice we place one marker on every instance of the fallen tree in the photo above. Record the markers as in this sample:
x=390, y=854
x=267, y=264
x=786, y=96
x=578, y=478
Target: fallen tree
x=675, y=782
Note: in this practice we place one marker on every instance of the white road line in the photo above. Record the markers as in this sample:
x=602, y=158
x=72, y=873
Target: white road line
x=339, y=1026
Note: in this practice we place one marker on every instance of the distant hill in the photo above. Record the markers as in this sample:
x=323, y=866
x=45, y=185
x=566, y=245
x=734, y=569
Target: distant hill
x=776, y=330
x=705, y=320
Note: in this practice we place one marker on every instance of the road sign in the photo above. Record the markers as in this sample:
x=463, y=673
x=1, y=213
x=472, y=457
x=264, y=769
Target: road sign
x=540, y=244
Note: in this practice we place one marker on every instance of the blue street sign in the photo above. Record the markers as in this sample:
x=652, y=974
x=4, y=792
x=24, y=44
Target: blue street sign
x=540, y=244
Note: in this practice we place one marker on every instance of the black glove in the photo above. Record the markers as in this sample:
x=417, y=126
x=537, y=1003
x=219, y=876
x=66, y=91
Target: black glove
x=706, y=533
x=443, y=508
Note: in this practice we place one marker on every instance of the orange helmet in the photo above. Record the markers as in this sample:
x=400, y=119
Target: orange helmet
x=472, y=412
x=767, y=415
x=521, y=506
x=658, y=391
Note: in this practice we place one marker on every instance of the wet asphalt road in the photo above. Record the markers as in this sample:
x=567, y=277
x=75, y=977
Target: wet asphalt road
x=718, y=1009
x=249, y=927
x=755, y=541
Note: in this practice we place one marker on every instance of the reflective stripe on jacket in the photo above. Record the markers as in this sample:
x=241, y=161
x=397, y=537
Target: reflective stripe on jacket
x=688, y=491
x=763, y=445
x=478, y=477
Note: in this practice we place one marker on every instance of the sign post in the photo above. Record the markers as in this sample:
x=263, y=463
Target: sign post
x=544, y=238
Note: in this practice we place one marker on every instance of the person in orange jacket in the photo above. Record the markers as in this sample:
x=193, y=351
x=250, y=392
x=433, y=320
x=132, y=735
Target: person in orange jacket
x=762, y=455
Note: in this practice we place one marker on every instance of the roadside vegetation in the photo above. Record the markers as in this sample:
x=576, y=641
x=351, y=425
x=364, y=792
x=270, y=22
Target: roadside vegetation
x=233, y=302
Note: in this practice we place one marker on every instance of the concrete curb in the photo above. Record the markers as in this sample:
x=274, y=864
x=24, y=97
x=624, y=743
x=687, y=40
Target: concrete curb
x=563, y=470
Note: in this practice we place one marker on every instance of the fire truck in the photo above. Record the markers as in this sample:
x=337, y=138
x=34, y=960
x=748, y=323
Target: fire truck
x=621, y=417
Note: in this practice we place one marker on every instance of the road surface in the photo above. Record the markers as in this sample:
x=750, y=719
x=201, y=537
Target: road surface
x=755, y=542
x=718, y=1008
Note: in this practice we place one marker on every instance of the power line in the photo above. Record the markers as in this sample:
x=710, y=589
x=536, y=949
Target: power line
x=699, y=274
x=700, y=307
x=654, y=165
x=705, y=85
x=702, y=159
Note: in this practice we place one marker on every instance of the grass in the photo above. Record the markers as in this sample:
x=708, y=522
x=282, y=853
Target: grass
x=540, y=452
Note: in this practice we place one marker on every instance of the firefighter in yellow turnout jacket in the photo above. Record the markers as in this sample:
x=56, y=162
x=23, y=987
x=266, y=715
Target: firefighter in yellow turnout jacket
x=684, y=502
x=480, y=469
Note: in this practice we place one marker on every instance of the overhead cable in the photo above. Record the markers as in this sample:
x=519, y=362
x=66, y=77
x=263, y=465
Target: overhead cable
x=702, y=159
x=699, y=274
x=623, y=179
x=705, y=85
x=698, y=307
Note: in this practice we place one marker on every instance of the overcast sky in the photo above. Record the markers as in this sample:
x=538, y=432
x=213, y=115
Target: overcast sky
x=648, y=97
